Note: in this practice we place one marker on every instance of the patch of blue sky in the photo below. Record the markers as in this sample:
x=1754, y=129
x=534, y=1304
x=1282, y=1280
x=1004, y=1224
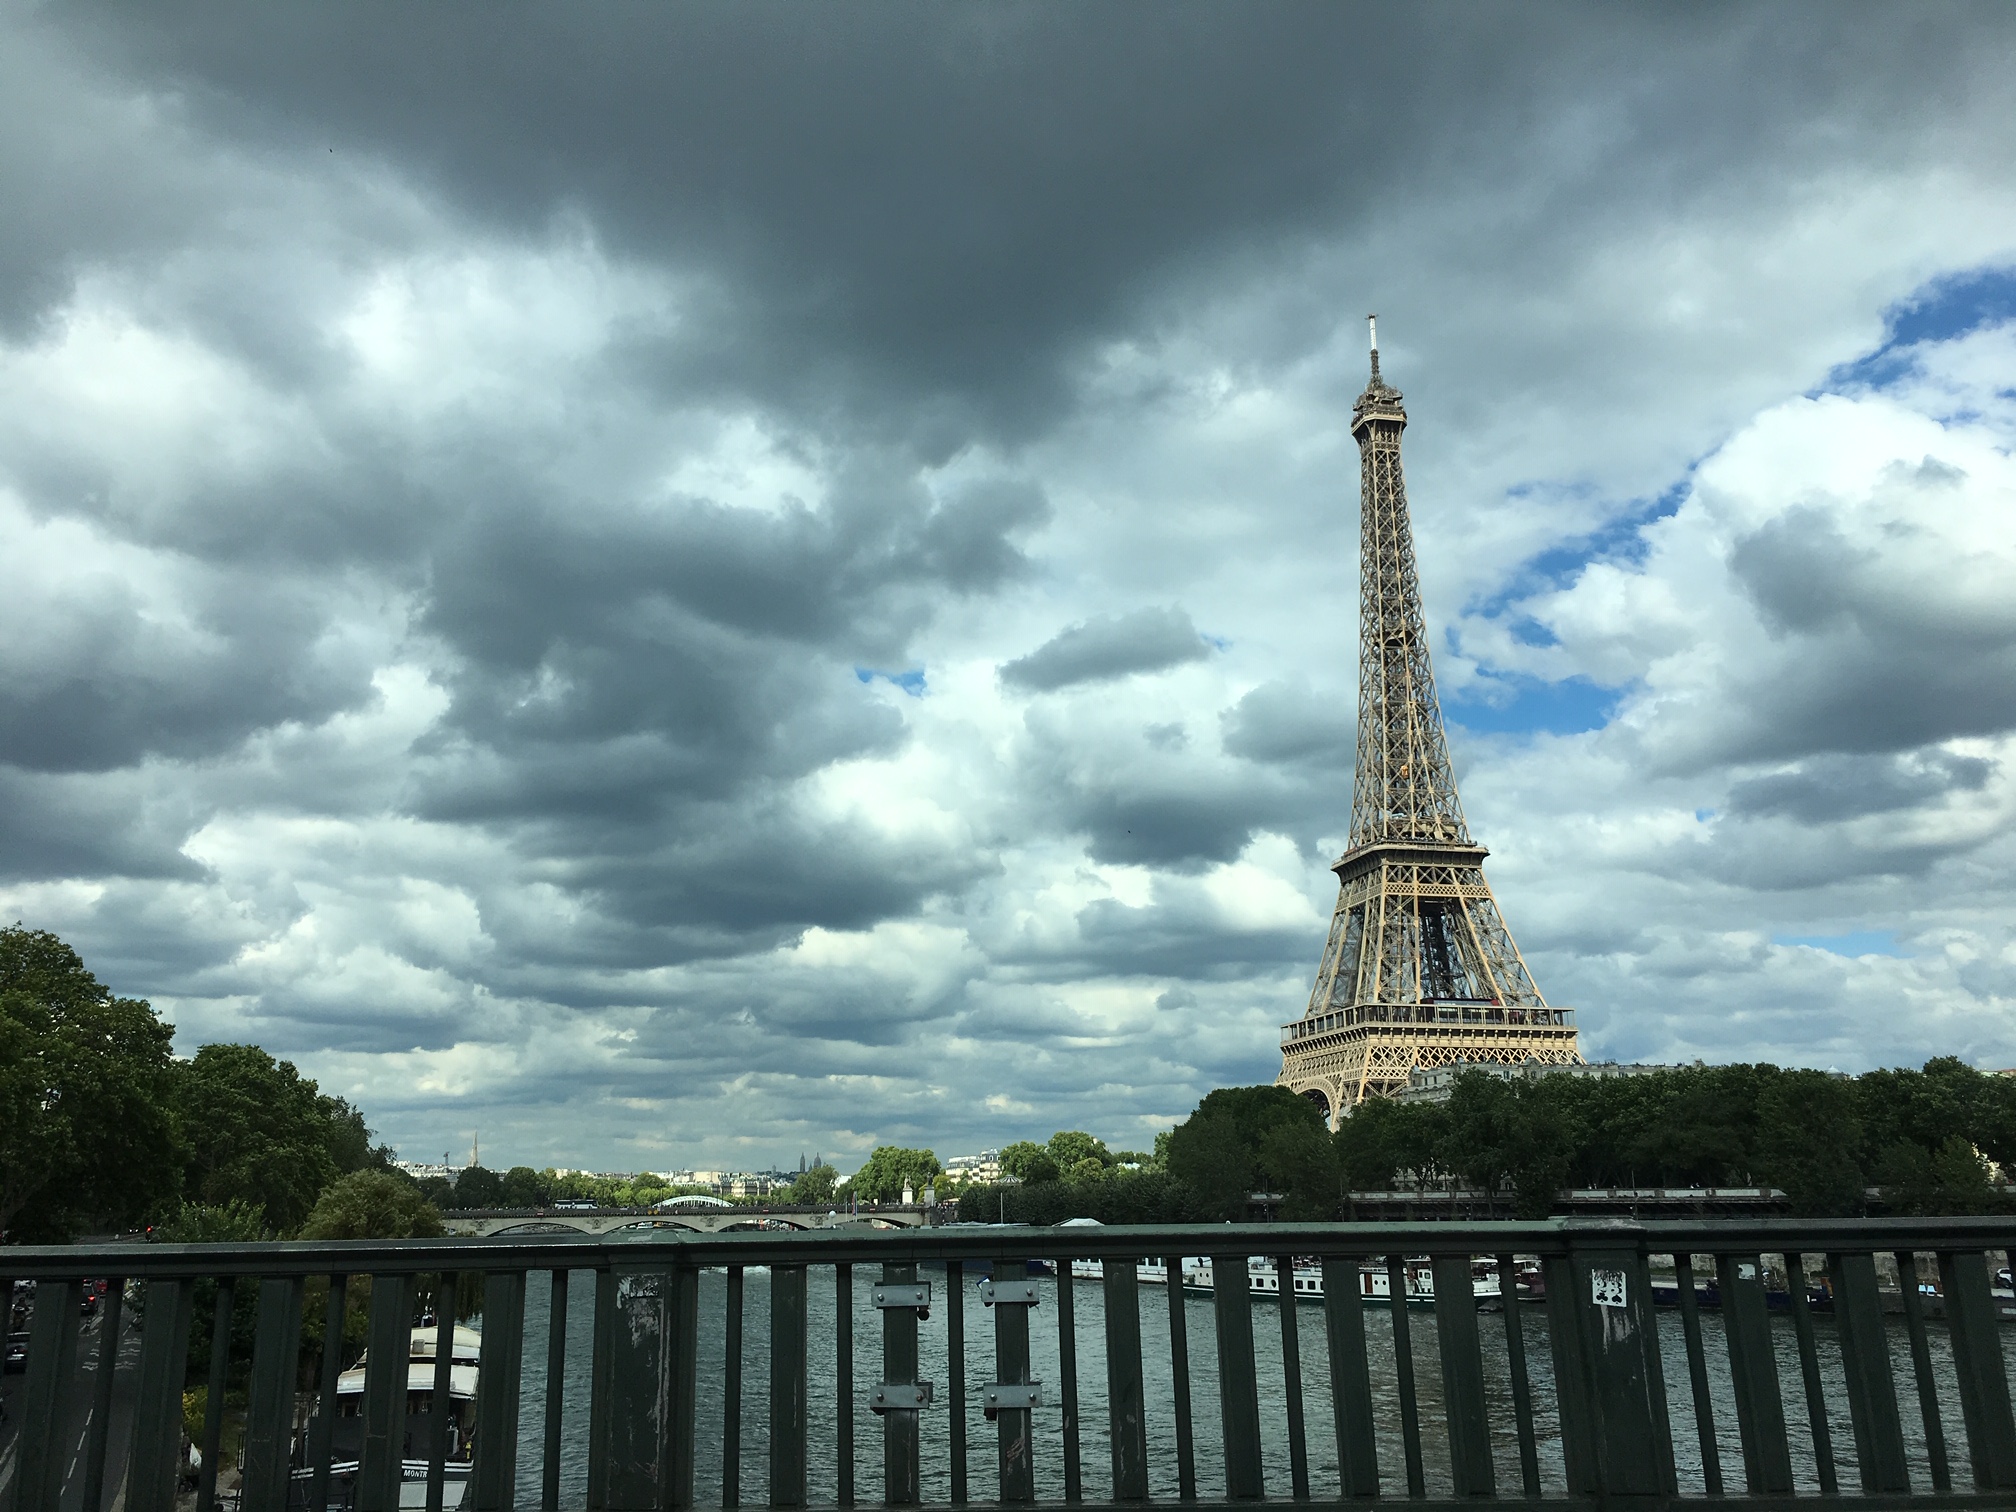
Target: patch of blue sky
x=911, y=682
x=1534, y=706
x=1620, y=539
x=1946, y=307
x=1857, y=942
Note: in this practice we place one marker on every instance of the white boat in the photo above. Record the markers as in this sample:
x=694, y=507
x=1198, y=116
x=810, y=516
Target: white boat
x=418, y=1437
x=1263, y=1279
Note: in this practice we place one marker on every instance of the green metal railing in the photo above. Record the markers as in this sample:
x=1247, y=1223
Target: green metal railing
x=1802, y=1387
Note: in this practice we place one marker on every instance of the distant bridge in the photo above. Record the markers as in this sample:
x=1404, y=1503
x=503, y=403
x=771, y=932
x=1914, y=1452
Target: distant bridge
x=483, y=1222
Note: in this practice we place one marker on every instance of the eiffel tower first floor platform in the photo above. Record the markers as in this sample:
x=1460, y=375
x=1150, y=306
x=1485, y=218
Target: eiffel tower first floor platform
x=1343, y=1057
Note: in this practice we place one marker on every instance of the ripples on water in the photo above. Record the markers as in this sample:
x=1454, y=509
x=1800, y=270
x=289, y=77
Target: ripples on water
x=1089, y=1297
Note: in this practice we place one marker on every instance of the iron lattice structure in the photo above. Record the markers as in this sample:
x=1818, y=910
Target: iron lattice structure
x=1419, y=969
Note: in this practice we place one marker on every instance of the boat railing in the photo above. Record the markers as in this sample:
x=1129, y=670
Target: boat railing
x=1862, y=1381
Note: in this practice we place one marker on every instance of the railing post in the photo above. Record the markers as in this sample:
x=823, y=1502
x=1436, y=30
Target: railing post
x=1238, y=1387
x=788, y=1293
x=269, y=1415
x=493, y=1471
x=1753, y=1368
x=157, y=1407
x=641, y=1408
x=52, y=1366
x=382, y=1464
x=1976, y=1333
x=1463, y=1377
x=1127, y=1411
x=1350, y=1376
x=1623, y=1404
x=1865, y=1364
x=902, y=1436
x=1015, y=1426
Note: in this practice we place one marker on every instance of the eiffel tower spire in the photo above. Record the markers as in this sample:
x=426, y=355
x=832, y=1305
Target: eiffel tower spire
x=1419, y=968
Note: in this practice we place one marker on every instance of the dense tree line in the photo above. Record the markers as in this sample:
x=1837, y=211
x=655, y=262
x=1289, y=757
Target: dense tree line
x=1897, y=1141
x=101, y=1128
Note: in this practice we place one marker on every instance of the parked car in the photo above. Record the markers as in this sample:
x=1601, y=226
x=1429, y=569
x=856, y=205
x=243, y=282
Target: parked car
x=17, y=1351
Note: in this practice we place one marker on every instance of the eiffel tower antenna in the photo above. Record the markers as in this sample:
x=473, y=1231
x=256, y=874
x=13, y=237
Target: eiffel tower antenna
x=1420, y=969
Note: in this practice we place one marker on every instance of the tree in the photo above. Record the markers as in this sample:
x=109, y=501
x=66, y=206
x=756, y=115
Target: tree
x=1070, y=1147
x=259, y=1131
x=526, y=1188
x=815, y=1185
x=86, y=1130
x=1207, y=1154
x=1299, y=1160
x=372, y=1205
x=1383, y=1137
x=1091, y=1168
x=889, y=1170
x=1808, y=1140
x=479, y=1187
x=1028, y=1162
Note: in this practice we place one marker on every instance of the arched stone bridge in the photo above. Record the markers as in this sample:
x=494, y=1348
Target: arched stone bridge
x=483, y=1222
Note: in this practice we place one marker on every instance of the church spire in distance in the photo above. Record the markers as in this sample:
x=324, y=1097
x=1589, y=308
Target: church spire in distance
x=1419, y=969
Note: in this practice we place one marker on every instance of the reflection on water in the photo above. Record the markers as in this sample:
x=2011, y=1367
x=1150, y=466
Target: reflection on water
x=1089, y=1297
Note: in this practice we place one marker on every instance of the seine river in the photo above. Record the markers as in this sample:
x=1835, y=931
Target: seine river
x=1095, y=1456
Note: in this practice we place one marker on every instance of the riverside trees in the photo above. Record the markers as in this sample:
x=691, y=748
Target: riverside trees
x=101, y=1127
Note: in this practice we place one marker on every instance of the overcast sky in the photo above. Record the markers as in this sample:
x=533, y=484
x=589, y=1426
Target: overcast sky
x=686, y=585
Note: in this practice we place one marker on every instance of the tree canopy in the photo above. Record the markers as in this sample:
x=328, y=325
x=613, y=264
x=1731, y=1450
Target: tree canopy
x=883, y=1178
x=87, y=1132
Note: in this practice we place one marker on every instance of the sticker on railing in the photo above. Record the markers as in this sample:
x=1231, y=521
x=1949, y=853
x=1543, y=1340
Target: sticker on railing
x=1607, y=1287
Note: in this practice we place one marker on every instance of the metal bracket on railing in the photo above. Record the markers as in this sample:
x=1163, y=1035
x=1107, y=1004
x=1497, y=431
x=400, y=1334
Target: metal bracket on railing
x=900, y=1396
x=915, y=1294
x=1010, y=1396
x=1009, y=1293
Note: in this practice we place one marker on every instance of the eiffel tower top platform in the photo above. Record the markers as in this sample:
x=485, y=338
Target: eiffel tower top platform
x=1419, y=969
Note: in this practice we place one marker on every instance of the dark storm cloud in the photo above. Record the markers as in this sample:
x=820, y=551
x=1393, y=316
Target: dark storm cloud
x=1286, y=722
x=938, y=213
x=1830, y=788
x=1148, y=640
x=1884, y=658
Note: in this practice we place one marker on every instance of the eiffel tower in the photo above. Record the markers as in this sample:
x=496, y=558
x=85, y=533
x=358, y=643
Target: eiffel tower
x=1420, y=969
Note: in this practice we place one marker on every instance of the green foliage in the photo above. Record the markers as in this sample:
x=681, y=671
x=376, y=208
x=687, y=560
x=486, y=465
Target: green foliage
x=1028, y=1162
x=479, y=1187
x=260, y=1131
x=236, y=1222
x=882, y=1179
x=372, y=1205
x=86, y=1132
x=1382, y=1138
x=1071, y=1147
x=527, y=1188
x=1808, y=1139
x=1243, y=1139
x=1091, y=1168
x=815, y=1185
x=1516, y=1134
x=1116, y=1197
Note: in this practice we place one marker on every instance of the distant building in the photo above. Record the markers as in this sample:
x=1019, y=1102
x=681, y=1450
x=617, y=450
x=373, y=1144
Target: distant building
x=421, y=1170
x=986, y=1166
x=1434, y=1084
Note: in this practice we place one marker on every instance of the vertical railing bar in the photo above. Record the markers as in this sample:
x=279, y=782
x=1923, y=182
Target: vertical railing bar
x=322, y=1437
x=1238, y=1385
x=101, y=1394
x=1973, y=1330
x=556, y=1375
x=1522, y=1386
x=1403, y=1365
x=1809, y=1369
x=1015, y=1428
x=843, y=1356
x=441, y=1408
x=1350, y=1375
x=1067, y=1365
x=1127, y=1427
x=1179, y=1370
x=213, y=1406
x=1291, y=1373
x=731, y=1398
x=1697, y=1375
x=1921, y=1366
x=955, y=1364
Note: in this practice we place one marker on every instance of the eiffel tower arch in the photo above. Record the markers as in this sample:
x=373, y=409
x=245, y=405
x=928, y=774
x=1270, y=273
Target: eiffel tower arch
x=1419, y=969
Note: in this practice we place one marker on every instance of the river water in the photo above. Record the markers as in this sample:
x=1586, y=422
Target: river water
x=1096, y=1459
